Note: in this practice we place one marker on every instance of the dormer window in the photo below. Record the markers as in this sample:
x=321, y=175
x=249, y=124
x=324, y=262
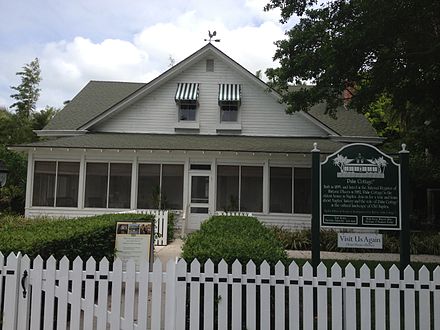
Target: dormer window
x=187, y=95
x=229, y=99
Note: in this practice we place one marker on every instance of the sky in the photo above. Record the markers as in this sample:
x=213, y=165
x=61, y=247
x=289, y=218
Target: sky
x=125, y=40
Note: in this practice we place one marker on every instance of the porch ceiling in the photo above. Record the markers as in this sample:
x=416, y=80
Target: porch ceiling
x=188, y=142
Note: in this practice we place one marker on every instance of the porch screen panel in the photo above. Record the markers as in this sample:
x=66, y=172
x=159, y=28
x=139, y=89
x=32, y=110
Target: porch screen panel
x=280, y=190
x=227, y=188
x=67, y=184
x=96, y=185
x=44, y=184
x=148, y=186
x=251, y=197
x=172, y=187
x=119, y=186
x=302, y=190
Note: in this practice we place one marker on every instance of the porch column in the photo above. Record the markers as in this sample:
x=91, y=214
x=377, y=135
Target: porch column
x=29, y=180
x=134, y=183
x=82, y=181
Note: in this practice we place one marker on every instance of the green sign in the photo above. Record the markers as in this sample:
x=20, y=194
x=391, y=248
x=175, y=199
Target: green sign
x=359, y=187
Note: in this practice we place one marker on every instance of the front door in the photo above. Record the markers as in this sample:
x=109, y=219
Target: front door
x=199, y=206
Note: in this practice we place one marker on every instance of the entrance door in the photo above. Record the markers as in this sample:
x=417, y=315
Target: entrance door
x=199, y=206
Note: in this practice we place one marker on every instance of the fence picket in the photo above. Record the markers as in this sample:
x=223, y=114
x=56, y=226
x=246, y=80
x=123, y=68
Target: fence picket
x=63, y=288
x=436, y=300
x=280, y=293
x=222, y=295
x=89, y=298
x=194, y=301
x=156, y=297
x=337, y=303
x=293, y=296
x=379, y=298
x=23, y=295
x=322, y=296
x=236, y=295
x=129, y=294
x=76, y=295
x=265, y=295
x=36, y=280
x=394, y=304
x=365, y=299
x=424, y=299
x=350, y=297
x=170, y=298
x=144, y=269
x=409, y=299
x=181, y=295
x=11, y=289
x=307, y=272
x=208, y=312
x=101, y=312
x=115, y=314
x=251, y=297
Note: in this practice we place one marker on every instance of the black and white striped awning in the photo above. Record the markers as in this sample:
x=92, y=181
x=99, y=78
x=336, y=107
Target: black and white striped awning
x=229, y=93
x=187, y=92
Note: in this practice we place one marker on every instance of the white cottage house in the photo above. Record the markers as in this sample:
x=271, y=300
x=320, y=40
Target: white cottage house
x=207, y=135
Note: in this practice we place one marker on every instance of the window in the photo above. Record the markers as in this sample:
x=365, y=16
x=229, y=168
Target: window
x=188, y=111
x=280, y=190
x=283, y=184
x=240, y=188
x=187, y=96
x=160, y=186
x=108, y=185
x=228, y=112
x=302, y=190
x=55, y=184
x=229, y=98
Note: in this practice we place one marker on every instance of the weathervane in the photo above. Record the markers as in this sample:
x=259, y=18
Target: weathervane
x=211, y=35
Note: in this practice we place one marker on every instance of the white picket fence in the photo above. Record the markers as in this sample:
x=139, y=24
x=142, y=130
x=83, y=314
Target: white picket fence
x=61, y=295
x=160, y=224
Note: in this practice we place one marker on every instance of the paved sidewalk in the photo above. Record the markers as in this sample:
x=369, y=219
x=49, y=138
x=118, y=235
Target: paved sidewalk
x=174, y=249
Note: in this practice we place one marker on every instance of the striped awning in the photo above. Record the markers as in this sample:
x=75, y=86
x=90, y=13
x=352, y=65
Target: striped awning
x=229, y=93
x=187, y=92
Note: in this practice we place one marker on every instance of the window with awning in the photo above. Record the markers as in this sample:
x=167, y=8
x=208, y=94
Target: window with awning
x=187, y=92
x=229, y=98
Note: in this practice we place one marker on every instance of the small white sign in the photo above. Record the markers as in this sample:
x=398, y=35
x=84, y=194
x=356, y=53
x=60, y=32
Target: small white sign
x=360, y=240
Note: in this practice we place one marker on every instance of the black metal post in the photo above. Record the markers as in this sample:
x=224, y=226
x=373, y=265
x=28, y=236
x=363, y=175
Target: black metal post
x=404, y=208
x=316, y=168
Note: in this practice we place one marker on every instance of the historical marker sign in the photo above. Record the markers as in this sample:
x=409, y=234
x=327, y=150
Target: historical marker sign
x=360, y=188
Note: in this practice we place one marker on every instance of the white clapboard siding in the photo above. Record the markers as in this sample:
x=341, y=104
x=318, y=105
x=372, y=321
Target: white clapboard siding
x=160, y=224
x=259, y=112
x=178, y=295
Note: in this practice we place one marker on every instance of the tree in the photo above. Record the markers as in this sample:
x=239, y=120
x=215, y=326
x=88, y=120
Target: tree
x=370, y=48
x=28, y=91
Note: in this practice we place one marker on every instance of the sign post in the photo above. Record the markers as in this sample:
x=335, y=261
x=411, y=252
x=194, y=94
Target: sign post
x=316, y=257
x=404, y=232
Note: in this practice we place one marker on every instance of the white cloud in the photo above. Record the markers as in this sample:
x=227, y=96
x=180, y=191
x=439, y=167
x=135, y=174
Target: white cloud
x=247, y=34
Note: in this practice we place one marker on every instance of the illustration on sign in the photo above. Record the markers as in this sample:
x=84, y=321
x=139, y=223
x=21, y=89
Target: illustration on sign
x=360, y=167
x=359, y=187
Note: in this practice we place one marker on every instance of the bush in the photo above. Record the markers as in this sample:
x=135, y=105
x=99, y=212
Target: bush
x=421, y=242
x=231, y=238
x=84, y=237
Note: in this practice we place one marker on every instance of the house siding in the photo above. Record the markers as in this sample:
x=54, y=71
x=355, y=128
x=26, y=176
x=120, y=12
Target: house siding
x=260, y=113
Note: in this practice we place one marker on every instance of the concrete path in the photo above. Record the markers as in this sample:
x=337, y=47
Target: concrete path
x=174, y=249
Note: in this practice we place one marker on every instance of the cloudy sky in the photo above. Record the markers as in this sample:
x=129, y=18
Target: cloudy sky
x=125, y=40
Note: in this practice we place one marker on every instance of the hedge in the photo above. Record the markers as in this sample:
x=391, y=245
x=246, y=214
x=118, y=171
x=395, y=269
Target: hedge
x=84, y=237
x=233, y=238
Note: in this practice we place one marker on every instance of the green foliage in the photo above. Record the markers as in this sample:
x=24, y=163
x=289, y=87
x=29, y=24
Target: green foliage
x=233, y=238
x=421, y=242
x=171, y=226
x=28, y=91
x=84, y=237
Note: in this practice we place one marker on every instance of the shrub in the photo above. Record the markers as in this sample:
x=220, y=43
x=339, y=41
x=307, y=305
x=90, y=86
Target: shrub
x=84, y=237
x=231, y=238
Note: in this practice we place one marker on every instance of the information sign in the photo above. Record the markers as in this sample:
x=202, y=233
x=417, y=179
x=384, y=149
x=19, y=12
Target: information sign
x=359, y=187
x=134, y=241
x=360, y=240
